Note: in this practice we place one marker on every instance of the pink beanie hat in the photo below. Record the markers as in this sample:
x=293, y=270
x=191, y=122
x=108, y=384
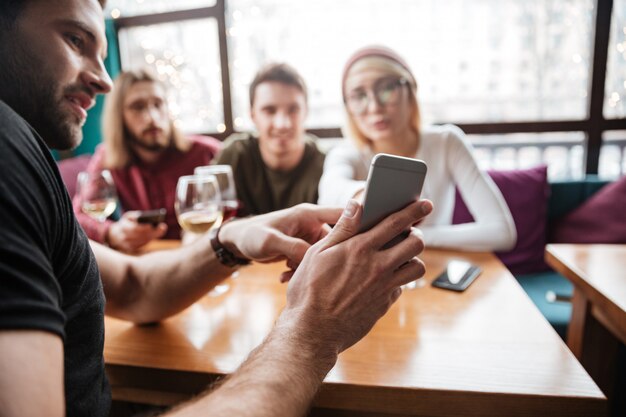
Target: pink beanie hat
x=379, y=51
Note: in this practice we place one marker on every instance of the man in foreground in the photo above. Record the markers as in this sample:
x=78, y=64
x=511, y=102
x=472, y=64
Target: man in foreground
x=52, y=287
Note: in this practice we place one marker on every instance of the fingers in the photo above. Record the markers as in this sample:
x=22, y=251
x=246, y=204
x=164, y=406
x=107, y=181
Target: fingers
x=280, y=244
x=324, y=214
x=286, y=276
x=324, y=231
x=292, y=265
x=131, y=215
x=409, y=247
x=347, y=225
x=146, y=232
x=159, y=231
x=398, y=222
x=409, y=272
x=395, y=295
x=129, y=235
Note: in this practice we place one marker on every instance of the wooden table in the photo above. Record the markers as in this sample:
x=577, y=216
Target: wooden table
x=598, y=322
x=485, y=352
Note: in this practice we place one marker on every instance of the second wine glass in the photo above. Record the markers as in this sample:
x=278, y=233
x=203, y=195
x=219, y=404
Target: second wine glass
x=223, y=175
x=226, y=182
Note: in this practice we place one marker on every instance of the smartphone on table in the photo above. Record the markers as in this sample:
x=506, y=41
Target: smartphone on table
x=457, y=276
x=393, y=183
x=153, y=217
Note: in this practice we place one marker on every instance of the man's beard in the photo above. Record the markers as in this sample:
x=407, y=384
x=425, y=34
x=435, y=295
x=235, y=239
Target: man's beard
x=155, y=147
x=34, y=94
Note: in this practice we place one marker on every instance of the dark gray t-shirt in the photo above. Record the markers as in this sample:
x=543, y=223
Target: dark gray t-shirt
x=49, y=279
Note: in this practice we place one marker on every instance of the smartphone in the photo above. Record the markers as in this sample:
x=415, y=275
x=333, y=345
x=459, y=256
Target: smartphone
x=457, y=276
x=393, y=183
x=153, y=217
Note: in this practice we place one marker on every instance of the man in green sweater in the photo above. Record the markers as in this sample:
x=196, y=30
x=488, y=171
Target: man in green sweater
x=280, y=166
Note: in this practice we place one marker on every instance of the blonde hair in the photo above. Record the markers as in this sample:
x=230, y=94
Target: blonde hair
x=391, y=67
x=118, y=151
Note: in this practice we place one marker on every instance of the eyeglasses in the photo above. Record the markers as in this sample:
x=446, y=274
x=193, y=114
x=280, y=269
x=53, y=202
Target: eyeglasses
x=385, y=91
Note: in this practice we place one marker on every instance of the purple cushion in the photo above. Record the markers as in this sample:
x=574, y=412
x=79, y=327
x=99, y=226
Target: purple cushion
x=600, y=219
x=526, y=192
x=69, y=169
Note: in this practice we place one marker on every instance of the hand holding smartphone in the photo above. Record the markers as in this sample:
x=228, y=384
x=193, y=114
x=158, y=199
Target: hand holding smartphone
x=393, y=183
x=153, y=217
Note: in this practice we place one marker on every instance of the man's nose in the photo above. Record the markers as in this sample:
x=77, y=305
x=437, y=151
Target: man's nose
x=282, y=121
x=97, y=78
x=153, y=113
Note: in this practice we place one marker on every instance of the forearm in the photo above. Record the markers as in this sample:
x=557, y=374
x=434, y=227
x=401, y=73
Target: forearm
x=157, y=285
x=485, y=236
x=280, y=378
x=342, y=178
x=494, y=228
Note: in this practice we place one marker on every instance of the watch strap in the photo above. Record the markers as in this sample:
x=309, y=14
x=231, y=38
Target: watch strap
x=225, y=256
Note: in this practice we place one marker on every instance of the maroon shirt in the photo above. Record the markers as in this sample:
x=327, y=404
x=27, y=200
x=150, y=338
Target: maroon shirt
x=145, y=187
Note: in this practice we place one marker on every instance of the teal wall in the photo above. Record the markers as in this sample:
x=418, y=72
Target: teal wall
x=92, y=134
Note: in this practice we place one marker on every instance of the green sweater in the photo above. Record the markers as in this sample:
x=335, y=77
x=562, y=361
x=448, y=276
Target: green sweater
x=261, y=189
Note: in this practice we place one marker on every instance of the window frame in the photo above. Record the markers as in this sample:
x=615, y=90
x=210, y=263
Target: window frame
x=593, y=126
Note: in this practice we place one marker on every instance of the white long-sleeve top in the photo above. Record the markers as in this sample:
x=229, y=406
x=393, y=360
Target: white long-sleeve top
x=450, y=163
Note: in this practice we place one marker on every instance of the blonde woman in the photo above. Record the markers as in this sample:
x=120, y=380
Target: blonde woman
x=146, y=155
x=380, y=97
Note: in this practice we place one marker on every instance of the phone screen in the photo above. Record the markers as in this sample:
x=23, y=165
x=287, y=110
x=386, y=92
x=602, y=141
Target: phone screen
x=457, y=276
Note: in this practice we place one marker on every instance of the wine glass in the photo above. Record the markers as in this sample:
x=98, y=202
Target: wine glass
x=226, y=182
x=198, y=208
x=97, y=194
x=198, y=203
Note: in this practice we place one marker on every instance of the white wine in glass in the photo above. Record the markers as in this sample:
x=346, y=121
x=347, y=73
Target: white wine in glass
x=97, y=194
x=198, y=203
x=199, y=208
x=100, y=209
x=199, y=221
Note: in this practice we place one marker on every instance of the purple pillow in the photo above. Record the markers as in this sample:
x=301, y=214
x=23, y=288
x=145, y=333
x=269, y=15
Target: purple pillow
x=600, y=219
x=526, y=192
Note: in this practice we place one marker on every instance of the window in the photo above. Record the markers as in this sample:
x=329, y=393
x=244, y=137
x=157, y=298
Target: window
x=562, y=152
x=615, y=87
x=192, y=73
x=125, y=8
x=475, y=60
x=527, y=78
x=613, y=154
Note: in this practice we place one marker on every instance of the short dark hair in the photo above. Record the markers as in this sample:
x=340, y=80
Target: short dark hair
x=11, y=9
x=281, y=73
